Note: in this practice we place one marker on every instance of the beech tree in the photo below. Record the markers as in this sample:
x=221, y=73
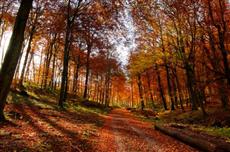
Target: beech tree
x=182, y=34
x=70, y=19
x=13, y=52
x=35, y=15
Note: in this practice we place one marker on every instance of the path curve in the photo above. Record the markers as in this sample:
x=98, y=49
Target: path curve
x=123, y=132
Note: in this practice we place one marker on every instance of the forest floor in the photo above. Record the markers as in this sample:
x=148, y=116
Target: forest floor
x=123, y=132
x=213, y=127
x=216, y=123
x=37, y=124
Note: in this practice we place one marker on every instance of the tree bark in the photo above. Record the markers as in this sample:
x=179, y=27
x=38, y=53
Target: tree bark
x=140, y=87
x=87, y=71
x=75, y=87
x=179, y=89
x=191, y=85
x=161, y=88
x=13, y=53
x=16, y=75
x=26, y=56
x=53, y=69
x=65, y=59
x=48, y=59
x=169, y=86
x=150, y=90
x=28, y=65
x=132, y=98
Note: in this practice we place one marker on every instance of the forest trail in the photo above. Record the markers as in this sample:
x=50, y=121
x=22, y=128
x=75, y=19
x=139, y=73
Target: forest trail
x=123, y=132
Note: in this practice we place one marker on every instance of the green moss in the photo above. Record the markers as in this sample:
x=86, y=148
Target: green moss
x=79, y=108
x=215, y=131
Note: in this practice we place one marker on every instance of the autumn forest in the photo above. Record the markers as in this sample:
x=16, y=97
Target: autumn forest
x=89, y=75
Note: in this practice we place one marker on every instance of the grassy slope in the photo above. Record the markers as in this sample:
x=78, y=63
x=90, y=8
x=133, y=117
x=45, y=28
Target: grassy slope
x=37, y=124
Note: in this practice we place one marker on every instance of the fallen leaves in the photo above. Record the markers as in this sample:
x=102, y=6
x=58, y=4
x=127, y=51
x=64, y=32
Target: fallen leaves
x=38, y=129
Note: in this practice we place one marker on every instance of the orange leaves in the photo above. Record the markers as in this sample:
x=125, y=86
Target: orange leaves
x=8, y=18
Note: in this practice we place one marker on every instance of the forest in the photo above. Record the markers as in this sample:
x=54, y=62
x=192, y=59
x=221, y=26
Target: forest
x=89, y=75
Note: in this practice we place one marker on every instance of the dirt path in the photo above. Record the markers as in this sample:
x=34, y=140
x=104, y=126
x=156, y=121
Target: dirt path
x=123, y=132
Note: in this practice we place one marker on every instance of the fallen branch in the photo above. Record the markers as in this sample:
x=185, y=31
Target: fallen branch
x=193, y=141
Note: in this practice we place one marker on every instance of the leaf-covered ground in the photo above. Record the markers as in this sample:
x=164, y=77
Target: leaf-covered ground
x=36, y=124
x=123, y=132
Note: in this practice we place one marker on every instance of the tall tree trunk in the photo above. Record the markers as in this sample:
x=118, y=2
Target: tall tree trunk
x=107, y=88
x=68, y=36
x=67, y=83
x=53, y=70
x=150, y=90
x=221, y=27
x=179, y=89
x=87, y=71
x=140, y=87
x=216, y=65
x=29, y=64
x=48, y=60
x=26, y=56
x=39, y=80
x=75, y=87
x=16, y=75
x=161, y=88
x=224, y=56
x=169, y=86
x=190, y=75
x=13, y=53
x=98, y=89
x=174, y=87
x=132, y=102
x=64, y=78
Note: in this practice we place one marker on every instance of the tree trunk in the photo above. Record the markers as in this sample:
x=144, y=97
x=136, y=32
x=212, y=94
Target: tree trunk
x=139, y=83
x=39, y=80
x=169, y=86
x=132, y=102
x=216, y=65
x=28, y=65
x=13, y=53
x=16, y=75
x=107, y=88
x=191, y=85
x=87, y=71
x=175, y=95
x=75, y=84
x=225, y=56
x=150, y=90
x=53, y=69
x=160, y=87
x=179, y=89
x=48, y=59
x=65, y=59
x=26, y=57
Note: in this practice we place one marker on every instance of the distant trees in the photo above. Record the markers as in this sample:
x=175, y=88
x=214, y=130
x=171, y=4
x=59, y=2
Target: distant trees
x=189, y=50
x=36, y=13
x=70, y=20
x=86, y=25
x=181, y=58
x=65, y=48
